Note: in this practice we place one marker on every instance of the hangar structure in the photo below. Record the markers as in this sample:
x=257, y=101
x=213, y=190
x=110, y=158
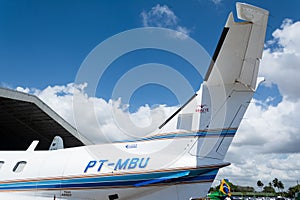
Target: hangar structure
x=25, y=118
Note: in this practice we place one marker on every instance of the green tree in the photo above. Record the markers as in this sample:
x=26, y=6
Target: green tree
x=211, y=189
x=275, y=183
x=260, y=184
x=280, y=185
x=293, y=190
x=269, y=189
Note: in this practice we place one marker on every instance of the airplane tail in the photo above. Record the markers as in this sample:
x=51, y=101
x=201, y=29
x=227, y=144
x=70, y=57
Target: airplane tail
x=217, y=109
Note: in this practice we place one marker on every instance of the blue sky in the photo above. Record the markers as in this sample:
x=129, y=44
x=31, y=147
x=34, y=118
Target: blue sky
x=43, y=43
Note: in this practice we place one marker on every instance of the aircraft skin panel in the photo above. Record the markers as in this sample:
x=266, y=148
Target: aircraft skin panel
x=146, y=193
x=74, y=175
x=179, y=161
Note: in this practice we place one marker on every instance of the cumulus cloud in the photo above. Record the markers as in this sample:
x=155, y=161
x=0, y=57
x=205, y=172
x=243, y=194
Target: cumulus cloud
x=266, y=146
x=99, y=120
x=267, y=143
x=163, y=16
x=272, y=129
x=217, y=2
x=281, y=59
x=25, y=90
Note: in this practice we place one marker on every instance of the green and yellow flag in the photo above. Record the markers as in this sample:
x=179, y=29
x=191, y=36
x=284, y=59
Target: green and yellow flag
x=225, y=188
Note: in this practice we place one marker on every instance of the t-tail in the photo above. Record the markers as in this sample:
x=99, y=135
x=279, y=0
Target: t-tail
x=179, y=162
x=214, y=113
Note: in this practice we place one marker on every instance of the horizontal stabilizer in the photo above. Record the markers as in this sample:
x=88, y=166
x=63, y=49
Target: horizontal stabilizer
x=240, y=48
x=161, y=179
x=259, y=81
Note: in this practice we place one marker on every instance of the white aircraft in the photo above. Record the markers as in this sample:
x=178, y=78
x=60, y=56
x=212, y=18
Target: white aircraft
x=178, y=162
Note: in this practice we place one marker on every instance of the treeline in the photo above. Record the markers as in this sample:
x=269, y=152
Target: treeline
x=275, y=187
x=271, y=186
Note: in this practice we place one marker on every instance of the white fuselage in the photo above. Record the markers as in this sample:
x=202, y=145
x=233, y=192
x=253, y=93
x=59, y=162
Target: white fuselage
x=95, y=172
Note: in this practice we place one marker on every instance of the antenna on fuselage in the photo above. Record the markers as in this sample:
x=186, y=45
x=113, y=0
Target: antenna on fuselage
x=33, y=145
x=57, y=143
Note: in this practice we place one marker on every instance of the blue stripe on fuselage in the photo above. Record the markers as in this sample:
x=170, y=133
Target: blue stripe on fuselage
x=110, y=181
x=208, y=133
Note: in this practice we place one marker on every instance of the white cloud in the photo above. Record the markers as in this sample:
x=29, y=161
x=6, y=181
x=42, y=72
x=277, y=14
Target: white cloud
x=25, y=90
x=100, y=121
x=164, y=17
x=160, y=16
x=266, y=146
x=267, y=143
x=217, y=2
x=281, y=59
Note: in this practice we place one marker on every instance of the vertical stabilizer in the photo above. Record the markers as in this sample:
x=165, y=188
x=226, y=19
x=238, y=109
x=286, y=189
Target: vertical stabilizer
x=214, y=113
x=231, y=80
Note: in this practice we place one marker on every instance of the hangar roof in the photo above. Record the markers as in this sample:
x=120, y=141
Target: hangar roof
x=24, y=118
